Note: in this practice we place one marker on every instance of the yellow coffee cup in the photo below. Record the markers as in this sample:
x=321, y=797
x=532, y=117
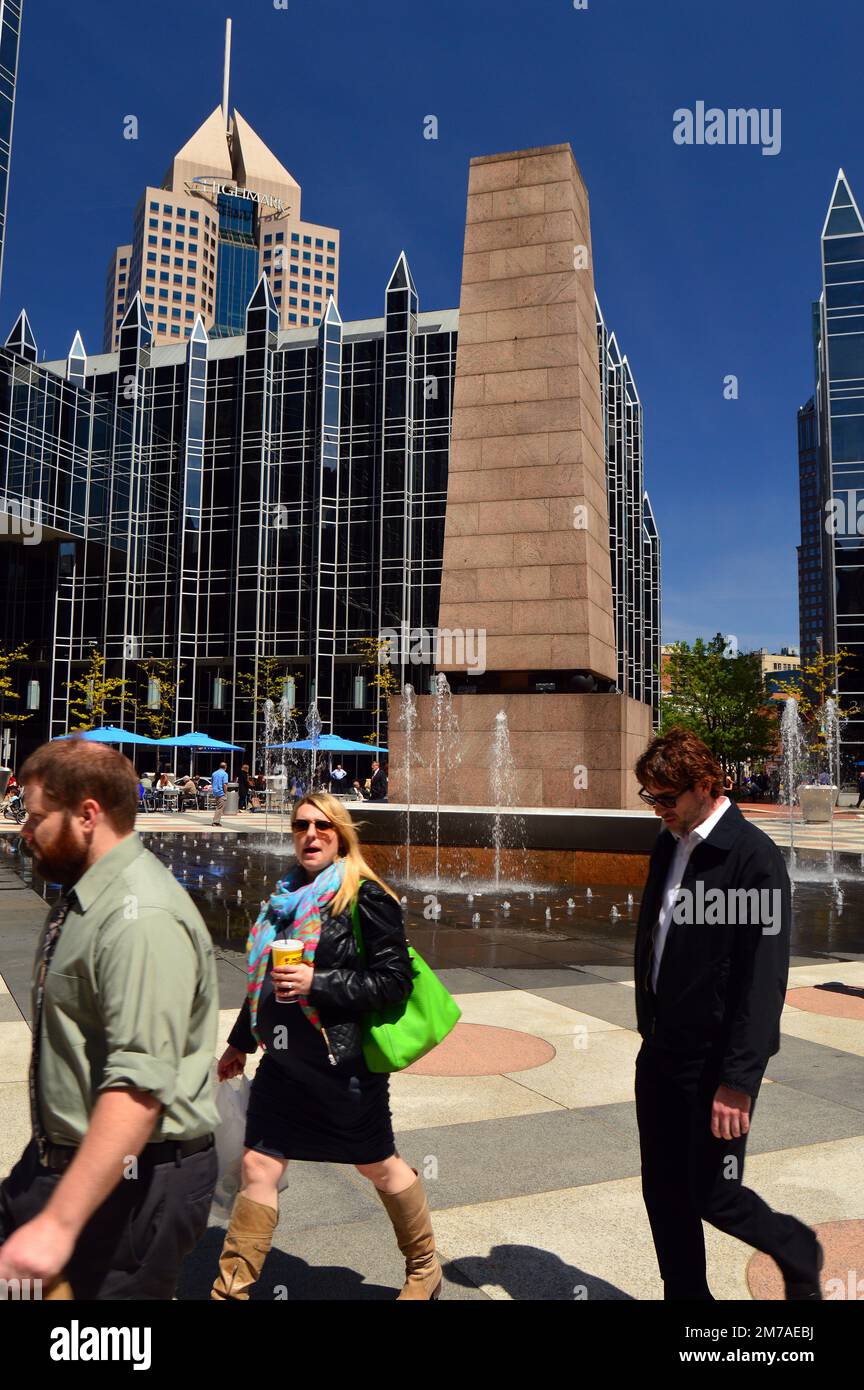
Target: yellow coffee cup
x=287, y=953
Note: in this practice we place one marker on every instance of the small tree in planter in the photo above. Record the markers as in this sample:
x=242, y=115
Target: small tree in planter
x=93, y=695
x=821, y=717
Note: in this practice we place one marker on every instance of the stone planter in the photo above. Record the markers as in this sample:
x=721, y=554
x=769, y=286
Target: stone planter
x=817, y=803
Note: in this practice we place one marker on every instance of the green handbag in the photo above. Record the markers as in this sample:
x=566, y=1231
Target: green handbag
x=399, y=1034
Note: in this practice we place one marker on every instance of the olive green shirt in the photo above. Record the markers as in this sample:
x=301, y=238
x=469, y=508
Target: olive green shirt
x=131, y=1000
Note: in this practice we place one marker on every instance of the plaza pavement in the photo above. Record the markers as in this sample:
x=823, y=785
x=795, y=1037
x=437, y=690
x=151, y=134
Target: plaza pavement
x=523, y=1124
x=846, y=836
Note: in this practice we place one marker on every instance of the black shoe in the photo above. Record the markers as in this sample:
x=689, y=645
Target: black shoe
x=686, y=1293
x=810, y=1291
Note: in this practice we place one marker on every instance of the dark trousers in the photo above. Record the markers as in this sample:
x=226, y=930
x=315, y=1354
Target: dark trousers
x=689, y=1177
x=134, y=1244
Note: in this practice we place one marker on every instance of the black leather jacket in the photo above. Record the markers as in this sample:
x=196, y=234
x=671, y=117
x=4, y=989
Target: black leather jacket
x=721, y=985
x=343, y=990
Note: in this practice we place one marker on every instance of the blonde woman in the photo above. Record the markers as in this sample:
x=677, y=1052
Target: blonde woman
x=313, y=1097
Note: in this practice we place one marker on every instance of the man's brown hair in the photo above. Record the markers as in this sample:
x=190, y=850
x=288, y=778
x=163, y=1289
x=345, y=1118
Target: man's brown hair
x=677, y=760
x=74, y=770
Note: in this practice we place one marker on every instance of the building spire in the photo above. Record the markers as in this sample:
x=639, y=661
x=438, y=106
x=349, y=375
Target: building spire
x=227, y=71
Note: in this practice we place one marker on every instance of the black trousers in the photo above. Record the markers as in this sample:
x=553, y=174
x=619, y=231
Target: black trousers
x=689, y=1177
x=134, y=1244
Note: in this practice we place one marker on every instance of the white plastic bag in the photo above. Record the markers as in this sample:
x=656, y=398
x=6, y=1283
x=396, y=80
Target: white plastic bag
x=232, y=1102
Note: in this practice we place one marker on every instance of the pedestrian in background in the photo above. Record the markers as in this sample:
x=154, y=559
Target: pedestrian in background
x=218, y=784
x=378, y=783
x=243, y=787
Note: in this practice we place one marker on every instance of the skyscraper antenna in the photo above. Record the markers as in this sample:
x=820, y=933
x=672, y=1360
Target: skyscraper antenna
x=227, y=71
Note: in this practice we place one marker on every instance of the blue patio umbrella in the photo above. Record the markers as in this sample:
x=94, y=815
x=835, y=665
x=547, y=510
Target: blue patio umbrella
x=197, y=740
x=107, y=734
x=330, y=743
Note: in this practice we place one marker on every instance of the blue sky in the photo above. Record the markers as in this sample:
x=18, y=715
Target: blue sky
x=706, y=257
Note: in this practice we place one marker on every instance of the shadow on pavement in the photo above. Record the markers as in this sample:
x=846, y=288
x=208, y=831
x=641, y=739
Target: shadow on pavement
x=525, y=1272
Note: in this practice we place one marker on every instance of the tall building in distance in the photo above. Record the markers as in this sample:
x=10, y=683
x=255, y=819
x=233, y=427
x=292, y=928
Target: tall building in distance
x=10, y=35
x=226, y=211
x=812, y=557
x=278, y=498
x=634, y=541
x=831, y=464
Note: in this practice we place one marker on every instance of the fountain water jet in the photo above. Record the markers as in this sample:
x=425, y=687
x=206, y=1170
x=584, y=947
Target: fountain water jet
x=408, y=722
x=504, y=788
x=447, y=752
x=794, y=746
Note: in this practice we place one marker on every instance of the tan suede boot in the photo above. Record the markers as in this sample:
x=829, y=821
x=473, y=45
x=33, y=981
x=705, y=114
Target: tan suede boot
x=409, y=1213
x=58, y=1288
x=247, y=1242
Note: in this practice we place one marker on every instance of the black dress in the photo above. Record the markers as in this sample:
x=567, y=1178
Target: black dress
x=301, y=1105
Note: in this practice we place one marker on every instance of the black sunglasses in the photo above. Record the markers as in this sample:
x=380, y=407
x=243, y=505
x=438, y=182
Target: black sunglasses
x=300, y=826
x=667, y=802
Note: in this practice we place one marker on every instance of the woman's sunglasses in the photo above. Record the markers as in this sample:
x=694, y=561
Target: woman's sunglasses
x=667, y=802
x=300, y=826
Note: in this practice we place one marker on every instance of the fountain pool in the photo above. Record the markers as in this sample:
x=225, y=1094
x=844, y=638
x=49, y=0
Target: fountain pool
x=519, y=925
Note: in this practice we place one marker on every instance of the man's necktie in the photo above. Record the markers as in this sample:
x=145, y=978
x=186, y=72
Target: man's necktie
x=52, y=934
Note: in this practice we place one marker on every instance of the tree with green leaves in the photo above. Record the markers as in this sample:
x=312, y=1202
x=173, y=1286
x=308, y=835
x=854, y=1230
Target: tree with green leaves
x=94, y=698
x=373, y=651
x=267, y=683
x=158, y=722
x=817, y=682
x=721, y=698
x=9, y=714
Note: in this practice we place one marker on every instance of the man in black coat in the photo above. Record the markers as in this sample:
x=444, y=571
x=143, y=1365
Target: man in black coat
x=712, y=959
x=378, y=784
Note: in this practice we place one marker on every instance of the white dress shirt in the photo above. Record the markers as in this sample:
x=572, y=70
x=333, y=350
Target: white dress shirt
x=683, y=850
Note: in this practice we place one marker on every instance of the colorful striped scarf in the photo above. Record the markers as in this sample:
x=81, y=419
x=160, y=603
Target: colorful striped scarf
x=300, y=908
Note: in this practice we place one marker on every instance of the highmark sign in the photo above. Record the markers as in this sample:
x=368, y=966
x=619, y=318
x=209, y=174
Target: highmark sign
x=216, y=186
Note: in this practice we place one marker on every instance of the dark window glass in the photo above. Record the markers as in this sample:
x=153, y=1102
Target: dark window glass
x=850, y=590
x=846, y=356
x=847, y=248
x=847, y=438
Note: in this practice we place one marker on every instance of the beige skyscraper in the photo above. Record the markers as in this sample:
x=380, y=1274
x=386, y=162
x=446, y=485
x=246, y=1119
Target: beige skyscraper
x=226, y=210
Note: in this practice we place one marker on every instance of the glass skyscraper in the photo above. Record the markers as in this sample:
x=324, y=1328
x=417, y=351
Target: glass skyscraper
x=271, y=494
x=10, y=33
x=831, y=463
x=634, y=541
x=812, y=552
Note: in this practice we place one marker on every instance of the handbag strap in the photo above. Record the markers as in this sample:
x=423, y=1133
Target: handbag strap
x=355, y=922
